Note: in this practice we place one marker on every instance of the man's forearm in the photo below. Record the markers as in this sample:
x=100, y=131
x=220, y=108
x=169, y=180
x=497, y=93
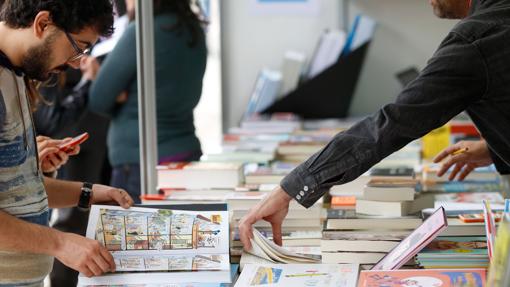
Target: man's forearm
x=62, y=193
x=20, y=236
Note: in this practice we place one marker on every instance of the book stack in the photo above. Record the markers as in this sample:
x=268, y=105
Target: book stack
x=455, y=252
x=300, y=147
x=271, y=174
x=392, y=193
x=353, y=238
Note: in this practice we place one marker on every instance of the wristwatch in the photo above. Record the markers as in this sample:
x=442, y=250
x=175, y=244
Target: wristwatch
x=85, y=196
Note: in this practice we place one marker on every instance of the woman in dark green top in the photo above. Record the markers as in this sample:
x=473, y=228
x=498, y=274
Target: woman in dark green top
x=181, y=56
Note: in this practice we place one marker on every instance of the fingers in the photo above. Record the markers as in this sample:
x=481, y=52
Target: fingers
x=96, y=270
x=107, y=256
x=102, y=264
x=445, y=153
x=121, y=197
x=245, y=231
x=467, y=170
x=456, y=159
x=277, y=233
x=43, y=153
x=74, y=151
x=458, y=167
x=86, y=271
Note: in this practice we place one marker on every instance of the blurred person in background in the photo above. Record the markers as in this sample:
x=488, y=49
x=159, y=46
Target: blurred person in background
x=181, y=55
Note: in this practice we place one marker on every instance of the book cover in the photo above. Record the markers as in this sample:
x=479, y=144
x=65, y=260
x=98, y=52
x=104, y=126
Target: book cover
x=297, y=275
x=451, y=246
x=165, y=243
x=422, y=278
x=415, y=242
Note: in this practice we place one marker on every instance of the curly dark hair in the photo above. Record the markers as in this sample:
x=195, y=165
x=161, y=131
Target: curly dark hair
x=71, y=16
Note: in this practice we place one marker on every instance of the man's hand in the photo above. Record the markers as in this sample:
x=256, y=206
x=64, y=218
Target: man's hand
x=476, y=155
x=84, y=255
x=107, y=194
x=273, y=209
x=51, y=158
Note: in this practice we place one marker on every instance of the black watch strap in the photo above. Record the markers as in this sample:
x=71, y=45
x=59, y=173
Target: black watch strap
x=85, y=196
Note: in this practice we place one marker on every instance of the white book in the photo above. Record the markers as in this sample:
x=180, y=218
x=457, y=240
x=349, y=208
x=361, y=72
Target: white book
x=373, y=223
x=328, y=51
x=357, y=245
x=389, y=193
x=293, y=65
x=394, y=209
x=168, y=245
x=352, y=257
x=296, y=275
x=200, y=175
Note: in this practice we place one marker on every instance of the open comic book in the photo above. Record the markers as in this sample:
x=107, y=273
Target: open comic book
x=168, y=244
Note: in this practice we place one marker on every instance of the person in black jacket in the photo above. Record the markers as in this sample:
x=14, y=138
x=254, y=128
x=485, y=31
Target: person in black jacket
x=469, y=72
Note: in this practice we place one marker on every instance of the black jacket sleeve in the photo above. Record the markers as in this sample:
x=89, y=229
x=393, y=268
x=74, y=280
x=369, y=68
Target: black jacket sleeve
x=455, y=77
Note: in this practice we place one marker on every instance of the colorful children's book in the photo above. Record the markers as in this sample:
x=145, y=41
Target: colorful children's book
x=415, y=242
x=297, y=275
x=450, y=247
x=423, y=278
x=170, y=245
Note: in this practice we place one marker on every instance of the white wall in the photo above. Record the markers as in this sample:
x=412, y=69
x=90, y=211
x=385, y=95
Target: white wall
x=407, y=35
x=252, y=42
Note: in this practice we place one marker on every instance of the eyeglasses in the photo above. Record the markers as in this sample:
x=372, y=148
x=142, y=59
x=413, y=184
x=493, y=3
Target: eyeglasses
x=79, y=52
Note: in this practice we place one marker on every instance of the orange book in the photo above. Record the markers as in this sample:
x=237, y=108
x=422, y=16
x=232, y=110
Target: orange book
x=343, y=201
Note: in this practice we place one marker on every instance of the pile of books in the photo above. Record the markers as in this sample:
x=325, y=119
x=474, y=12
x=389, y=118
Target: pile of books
x=349, y=237
x=455, y=253
x=392, y=192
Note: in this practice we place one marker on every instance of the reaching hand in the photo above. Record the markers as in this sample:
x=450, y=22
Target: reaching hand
x=106, y=194
x=84, y=255
x=476, y=155
x=51, y=158
x=273, y=209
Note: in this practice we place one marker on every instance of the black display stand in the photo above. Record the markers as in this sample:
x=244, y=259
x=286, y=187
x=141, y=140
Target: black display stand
x=329, y=94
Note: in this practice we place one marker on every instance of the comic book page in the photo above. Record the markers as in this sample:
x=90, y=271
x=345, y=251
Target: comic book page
x=160, y=241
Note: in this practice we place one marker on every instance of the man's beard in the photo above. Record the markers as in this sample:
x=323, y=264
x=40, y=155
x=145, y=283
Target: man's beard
x=36, y=63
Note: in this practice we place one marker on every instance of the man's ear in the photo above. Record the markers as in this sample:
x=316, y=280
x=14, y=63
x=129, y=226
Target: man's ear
x=42, y=23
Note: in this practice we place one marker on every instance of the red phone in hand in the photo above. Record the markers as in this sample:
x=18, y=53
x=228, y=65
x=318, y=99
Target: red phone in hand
x=69, y=146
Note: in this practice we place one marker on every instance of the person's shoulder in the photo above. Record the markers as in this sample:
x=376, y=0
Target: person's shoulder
x=482, y=25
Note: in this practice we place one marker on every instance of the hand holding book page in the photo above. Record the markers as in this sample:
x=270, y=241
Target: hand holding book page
x=273, y=208
x=266, y=249
x=415, y=242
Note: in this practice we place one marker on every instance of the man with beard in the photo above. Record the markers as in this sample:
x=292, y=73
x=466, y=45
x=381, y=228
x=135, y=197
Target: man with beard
x=469, y=72
x=40, y=38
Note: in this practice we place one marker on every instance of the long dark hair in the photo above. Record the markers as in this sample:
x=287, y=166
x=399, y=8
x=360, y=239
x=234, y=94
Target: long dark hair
x=186, y=17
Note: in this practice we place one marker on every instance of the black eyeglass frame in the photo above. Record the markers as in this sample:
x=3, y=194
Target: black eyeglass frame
x=79, y=52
